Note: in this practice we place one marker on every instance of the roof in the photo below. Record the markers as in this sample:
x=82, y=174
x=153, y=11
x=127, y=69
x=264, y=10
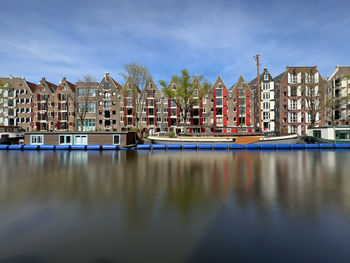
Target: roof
x=32, y=86
x=239, y=82
x=71, y=85
x=52, y=86
x=117, y=84
x=279, y=78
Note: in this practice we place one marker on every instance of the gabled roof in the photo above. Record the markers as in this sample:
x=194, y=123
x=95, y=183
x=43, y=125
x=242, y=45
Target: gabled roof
x=31, y=86
x=119, y=87
x=173, y=82
x=279, y=78
x=219, y=80
x=239, y=82
x=71, y=85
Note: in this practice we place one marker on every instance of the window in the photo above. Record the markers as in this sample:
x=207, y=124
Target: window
x=116, y=139
x=293, y=78
x=195, y=93
x=149, y=93
x=150, y=102
x=293, y=117
x=81, y=139
x=241, y=92
x=173, y=104
x=36, y=139
x=266, y=115
x=293, y=91
x=219, y=102
x=293, y=105
x=266, y=77
x=65, y=139
x=218, y=92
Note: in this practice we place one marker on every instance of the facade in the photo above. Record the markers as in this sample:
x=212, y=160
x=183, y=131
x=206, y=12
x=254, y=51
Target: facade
x=338, y=96
x=243, y=107
x=43, y=103
x=110, y=110
x=16, y=109
x=269, y=101
x=86, y=105
x=302, y=91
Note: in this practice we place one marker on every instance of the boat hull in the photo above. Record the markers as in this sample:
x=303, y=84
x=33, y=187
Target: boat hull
x=288, y=139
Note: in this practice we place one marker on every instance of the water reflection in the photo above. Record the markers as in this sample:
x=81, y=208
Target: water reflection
x=169, y=198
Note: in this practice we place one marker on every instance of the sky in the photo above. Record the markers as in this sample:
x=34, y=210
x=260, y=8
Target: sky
x=53, y=39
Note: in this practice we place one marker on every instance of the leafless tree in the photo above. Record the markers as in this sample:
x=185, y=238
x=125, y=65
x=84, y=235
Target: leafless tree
x=138, y=75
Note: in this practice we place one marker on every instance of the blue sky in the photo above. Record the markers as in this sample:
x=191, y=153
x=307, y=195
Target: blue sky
x=52, y=39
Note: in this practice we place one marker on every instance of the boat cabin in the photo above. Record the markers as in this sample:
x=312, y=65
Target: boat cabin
x=80, y=138
x=331, y=133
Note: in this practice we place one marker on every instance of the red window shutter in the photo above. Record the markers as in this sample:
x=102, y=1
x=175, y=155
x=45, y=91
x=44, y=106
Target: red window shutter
x=133, y=119
x=39, y=106
x=125, y=121
x=32, y=114
x=147, y=121
x=39, y=116
x=169, y=122
x=247, y=100
x=237, y=93
x=225, y=131
x=59, y=106
x=191, y=121
x=169, y=103
x=247, y=92
x=225, y=121
x=31, y=124
x=146, y=103
x=155, y=121
x=225, y=111
x=214, y=122
x=200, y=112
x=32, y=104
x=59, y=116
x=59, y=96
x=225, y=101
x=248, y=111
x=214, y=102
x=147, y=112
x=249, y=130
x=248, y=121
x=38, y=97
x=224, y=92
x=178, y=112
x=214, y=112
x=237, y=120
x=201, y=121
x=190, y=130
x=214, y=93
x=169, y=112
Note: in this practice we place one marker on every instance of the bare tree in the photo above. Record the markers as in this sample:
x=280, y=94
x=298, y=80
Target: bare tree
x=82, y=97
x=314, y=93
x=138, y=75
x=5, y=102
x=189, y=92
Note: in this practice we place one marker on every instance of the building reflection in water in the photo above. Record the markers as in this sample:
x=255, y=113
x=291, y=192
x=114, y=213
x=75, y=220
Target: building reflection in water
x=184, y=181
x=164, y=201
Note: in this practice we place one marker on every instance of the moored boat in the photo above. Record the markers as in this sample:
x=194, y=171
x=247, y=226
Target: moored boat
x=287, y=139
x=10, y=135
x=329, y=134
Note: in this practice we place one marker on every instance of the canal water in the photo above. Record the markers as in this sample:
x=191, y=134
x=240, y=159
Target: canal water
x=130, y=206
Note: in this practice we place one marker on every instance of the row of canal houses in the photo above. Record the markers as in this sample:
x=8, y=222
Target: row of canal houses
x=283, y=100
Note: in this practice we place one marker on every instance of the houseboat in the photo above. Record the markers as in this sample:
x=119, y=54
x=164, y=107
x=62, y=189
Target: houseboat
x=328, y=134
x=123, y=139
x=10, y=134
x=248, y=139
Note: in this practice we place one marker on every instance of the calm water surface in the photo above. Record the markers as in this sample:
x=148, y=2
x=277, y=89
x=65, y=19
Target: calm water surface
x=133, y=206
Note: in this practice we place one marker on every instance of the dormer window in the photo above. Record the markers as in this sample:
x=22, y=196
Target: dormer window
x=266, y=77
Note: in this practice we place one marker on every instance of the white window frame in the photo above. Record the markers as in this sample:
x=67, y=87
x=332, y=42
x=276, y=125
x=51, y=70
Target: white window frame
x=116, y=135
x=34, y=139
x=81, y=136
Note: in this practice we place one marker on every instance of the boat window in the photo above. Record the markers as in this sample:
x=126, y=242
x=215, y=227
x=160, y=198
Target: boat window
x=342, y=135
x=81, y=139
x=65, y=139
x=116, y=139
x=36, y=139
x=317, y=134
